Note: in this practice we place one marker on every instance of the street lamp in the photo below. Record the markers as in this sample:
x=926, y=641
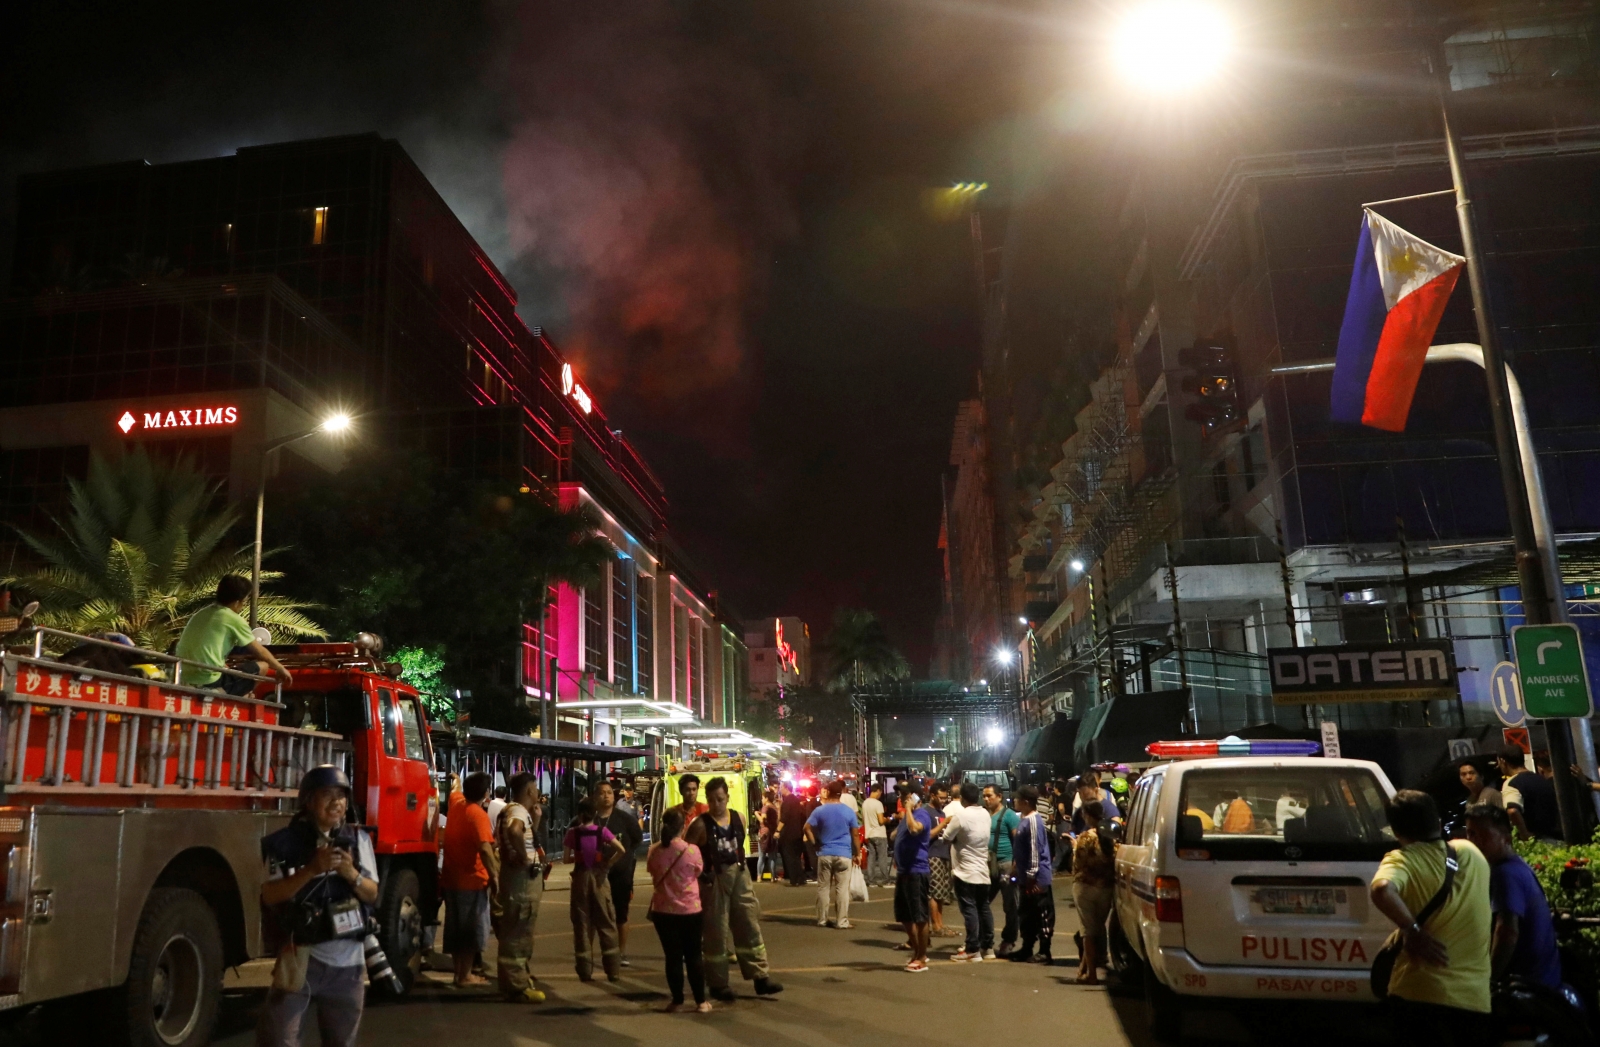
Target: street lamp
x=994, y=736
x=334, y=423
x=1002, y=656
x=1077, y=566
x=1171, y=46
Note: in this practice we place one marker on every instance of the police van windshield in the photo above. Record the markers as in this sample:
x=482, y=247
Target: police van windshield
x=1285, y=814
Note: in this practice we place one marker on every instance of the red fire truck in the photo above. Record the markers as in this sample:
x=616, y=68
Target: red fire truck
x=132, y=811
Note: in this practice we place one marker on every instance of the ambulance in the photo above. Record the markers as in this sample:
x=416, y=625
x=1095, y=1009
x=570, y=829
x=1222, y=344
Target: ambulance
x=746, y=779
x=1243, y=875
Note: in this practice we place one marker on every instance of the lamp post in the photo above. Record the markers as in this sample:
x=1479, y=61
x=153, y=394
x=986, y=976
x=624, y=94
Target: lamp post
x=1156, y=46
x=336, y=423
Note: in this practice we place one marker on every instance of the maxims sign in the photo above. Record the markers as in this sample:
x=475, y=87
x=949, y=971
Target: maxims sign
x=140, y=421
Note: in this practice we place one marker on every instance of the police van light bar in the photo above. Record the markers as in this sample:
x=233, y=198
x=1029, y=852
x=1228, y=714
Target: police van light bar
x=1231, y=746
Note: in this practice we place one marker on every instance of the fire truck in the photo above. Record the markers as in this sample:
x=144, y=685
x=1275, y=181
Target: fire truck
x=132, y=808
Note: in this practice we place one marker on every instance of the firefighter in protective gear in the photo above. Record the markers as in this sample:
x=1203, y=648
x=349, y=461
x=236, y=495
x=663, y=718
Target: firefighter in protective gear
x=732, y=914
x=522, y=875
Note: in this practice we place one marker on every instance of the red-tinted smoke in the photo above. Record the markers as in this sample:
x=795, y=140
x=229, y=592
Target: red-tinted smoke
x=640, y=168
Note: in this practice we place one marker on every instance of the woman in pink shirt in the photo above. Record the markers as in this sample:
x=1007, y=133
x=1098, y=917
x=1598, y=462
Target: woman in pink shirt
x=675, y=908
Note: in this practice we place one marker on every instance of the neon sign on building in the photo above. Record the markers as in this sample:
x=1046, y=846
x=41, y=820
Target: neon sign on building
x=570, y=387
x=186, y=418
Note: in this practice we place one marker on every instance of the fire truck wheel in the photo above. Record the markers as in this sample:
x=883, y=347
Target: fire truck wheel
x=175, y=975
x=400, y=920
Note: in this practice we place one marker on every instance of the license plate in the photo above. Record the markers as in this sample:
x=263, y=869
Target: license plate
x=1300, y=901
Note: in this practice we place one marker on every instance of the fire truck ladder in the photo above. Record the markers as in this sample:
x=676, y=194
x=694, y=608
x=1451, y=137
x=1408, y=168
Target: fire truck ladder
x=163, y=735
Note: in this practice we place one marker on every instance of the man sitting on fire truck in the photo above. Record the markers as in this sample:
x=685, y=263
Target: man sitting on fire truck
x=216, y=631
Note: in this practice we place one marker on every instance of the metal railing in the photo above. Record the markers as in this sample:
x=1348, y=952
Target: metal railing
x=181, y=738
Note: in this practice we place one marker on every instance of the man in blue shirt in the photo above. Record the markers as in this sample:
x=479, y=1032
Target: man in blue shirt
x=1524, y=941
x=832, y=829
x=911, y=885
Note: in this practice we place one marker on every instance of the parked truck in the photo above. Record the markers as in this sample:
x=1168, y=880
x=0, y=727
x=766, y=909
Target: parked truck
x=132, y=811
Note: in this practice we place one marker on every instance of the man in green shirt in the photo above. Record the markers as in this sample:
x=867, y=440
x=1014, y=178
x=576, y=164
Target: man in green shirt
x=216, y=631
x=1003, y=821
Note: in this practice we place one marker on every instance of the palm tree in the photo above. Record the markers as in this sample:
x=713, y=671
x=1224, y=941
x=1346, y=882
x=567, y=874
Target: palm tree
x=859, y=651
x=141, y=549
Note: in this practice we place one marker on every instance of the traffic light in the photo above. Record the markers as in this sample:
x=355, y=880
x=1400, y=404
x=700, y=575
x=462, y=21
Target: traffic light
x=1209, y=375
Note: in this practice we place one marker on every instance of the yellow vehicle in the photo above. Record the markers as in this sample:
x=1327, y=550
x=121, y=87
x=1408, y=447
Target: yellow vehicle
x=746, y=780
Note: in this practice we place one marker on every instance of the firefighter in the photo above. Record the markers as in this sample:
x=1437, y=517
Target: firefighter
x=321, y=882
x=522, y=875
x=732, y=914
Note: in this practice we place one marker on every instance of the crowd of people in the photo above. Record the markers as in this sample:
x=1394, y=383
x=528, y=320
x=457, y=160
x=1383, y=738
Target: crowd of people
x=950, y=848
x=702, y=901
x=1468, y=911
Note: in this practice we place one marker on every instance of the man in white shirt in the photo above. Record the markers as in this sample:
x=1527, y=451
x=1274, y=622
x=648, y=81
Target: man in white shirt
x=878, y=872
x=848, y=798
x=967, y=829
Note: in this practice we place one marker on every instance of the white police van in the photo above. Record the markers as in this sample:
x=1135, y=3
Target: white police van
x=1247, y=878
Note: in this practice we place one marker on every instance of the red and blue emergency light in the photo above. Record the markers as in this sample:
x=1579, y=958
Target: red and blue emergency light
x=1231, y=746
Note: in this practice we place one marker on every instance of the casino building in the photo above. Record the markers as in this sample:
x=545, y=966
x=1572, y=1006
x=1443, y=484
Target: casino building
x=218, y=305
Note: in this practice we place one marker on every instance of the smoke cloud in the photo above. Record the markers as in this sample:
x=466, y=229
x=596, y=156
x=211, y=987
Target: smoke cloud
x=641, y=168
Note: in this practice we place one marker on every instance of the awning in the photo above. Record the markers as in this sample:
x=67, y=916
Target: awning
x=1028, y=747
x=482, y=738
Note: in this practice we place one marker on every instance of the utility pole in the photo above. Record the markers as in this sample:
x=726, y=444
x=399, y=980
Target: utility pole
x=1177, y=641
x=1543, y=599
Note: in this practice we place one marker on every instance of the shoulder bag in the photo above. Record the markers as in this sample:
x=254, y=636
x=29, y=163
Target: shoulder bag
x=1383, y=962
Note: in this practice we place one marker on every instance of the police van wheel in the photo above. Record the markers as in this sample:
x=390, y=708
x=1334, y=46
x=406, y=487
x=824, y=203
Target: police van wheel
x=174, y=981
x=400, y=923
x=1164, y=1010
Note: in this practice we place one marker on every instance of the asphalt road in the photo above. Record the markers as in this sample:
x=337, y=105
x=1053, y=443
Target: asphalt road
x=843, y=988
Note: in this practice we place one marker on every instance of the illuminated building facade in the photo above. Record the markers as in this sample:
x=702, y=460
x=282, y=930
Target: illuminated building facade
x=221, y=304
x=780, y=653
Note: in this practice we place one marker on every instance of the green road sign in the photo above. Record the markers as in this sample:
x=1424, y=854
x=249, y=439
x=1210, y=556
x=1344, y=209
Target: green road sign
x=1551, y=671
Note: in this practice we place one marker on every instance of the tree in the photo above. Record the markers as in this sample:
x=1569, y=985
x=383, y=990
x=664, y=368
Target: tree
x=143, y=547
x=859, y=651
x=431, y=559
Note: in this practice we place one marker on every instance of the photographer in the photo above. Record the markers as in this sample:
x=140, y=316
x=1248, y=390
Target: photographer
x=321, y=877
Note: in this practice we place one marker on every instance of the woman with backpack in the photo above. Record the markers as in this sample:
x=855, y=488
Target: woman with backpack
x=591, y=849
x=1093, y=870
x=675, y=909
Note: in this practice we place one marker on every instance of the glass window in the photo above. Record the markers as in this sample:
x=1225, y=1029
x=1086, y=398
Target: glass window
x=1136, y=815
x=391, y=717
x=1152, y=800
x=645, y=636
x=1265, y=813
x=411, y=721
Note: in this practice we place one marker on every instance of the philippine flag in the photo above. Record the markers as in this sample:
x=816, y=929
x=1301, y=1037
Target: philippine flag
x=1397, y=295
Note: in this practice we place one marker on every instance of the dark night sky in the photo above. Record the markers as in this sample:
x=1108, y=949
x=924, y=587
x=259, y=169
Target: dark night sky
x=718, y=207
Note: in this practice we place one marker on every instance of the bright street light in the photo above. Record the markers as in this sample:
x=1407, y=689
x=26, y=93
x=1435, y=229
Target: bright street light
x=335, y=423
x=994, y=736
x=1171, y=46
x=1022, y=620
x=1076, y=565
x=1003, y=656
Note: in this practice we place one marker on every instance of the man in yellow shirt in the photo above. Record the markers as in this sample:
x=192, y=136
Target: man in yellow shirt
x=1439, y=989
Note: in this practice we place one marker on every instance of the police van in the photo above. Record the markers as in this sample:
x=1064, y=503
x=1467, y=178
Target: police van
x=1246, y=877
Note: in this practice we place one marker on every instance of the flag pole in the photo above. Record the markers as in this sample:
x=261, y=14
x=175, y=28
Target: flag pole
x=1543, y=598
